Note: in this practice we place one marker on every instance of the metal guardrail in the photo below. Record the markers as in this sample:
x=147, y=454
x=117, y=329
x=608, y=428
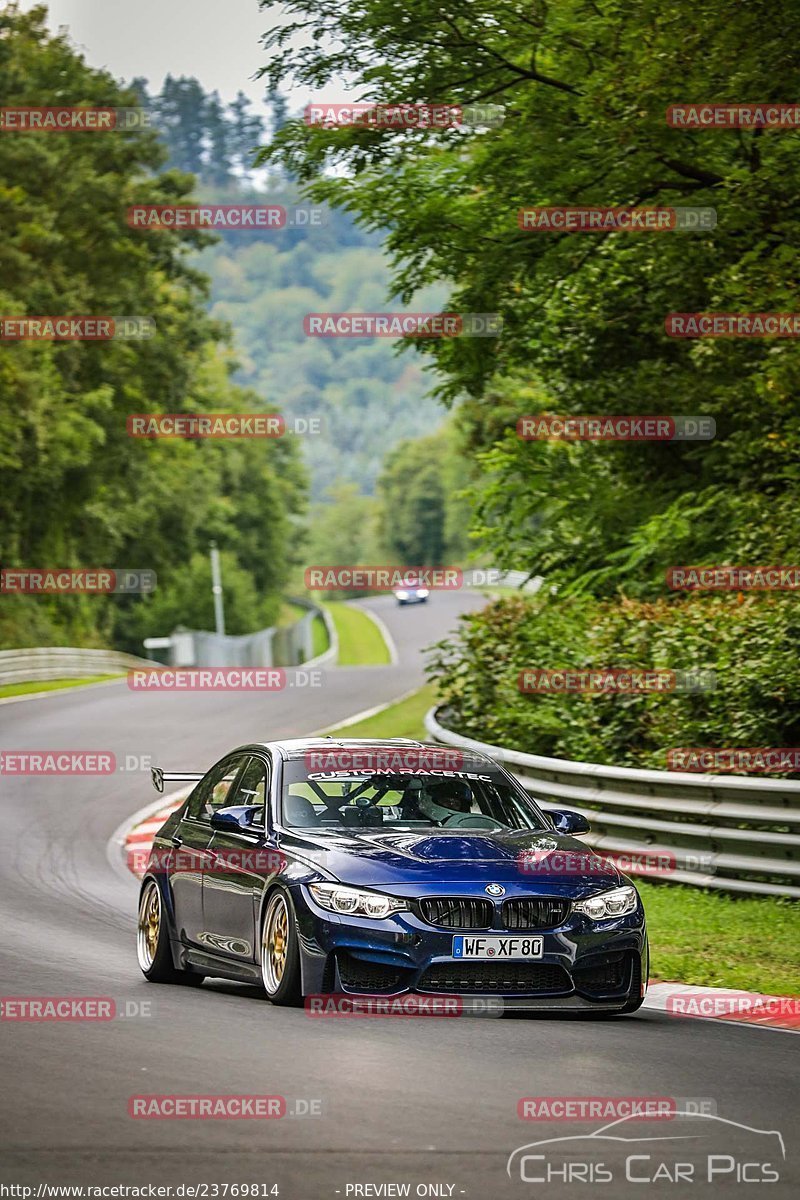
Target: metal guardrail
x=64, y=662
x=278, y=646
x=732, y=833
x=521, y=579
x=291, y=645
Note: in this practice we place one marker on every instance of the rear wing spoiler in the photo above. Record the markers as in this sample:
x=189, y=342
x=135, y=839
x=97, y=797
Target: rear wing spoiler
x=161, y=777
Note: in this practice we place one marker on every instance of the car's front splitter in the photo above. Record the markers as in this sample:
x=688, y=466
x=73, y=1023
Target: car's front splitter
x=397, y=956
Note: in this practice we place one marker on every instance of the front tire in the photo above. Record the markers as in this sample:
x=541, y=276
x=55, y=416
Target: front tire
x=152, y=941
x=280, y=954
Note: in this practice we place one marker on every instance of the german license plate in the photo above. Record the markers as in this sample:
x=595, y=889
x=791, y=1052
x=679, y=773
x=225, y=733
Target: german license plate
x=465, y=946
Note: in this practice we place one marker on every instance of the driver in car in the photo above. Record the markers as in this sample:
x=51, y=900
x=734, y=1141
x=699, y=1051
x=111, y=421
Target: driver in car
x=446, y=800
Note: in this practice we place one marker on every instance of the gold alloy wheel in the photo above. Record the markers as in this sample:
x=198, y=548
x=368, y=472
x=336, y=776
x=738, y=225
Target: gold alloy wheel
x=275, y=943
x=149, y=925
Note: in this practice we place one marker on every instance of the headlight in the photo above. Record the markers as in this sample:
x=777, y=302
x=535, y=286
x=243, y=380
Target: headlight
x=422, y=591
x=339, y=899
x=608, y=904
x=401, y=595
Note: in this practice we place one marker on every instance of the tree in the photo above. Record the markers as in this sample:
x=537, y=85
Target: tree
x=585, y=89
x=182, y=115
x=418, y=495
x=76, y=489
x=217, y=167
x=187, y=600
x=246, y=132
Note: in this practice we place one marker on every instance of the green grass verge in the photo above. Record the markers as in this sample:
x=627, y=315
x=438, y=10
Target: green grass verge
x=52, y=685
x=718, y=940
x=403, y=719
x=361, y=643
x=319, y=637
x=289, y=613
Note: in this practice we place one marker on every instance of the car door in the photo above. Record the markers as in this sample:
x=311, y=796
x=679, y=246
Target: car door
x=240, y=864
x=190, y=841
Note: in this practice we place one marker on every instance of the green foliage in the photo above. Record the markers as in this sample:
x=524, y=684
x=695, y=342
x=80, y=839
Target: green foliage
x=187, y=600
x=343, y=530
x=422, y=520
x=215, y=141
x=76, y=489
x=264, y=283
x=418, y=518
x=750, y=644
x=585, y=89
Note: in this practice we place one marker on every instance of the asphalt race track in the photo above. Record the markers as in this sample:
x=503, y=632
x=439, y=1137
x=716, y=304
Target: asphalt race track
x=423, y=1102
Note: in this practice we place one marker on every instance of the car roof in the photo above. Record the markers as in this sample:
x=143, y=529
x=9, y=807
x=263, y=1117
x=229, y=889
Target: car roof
x=292, y=748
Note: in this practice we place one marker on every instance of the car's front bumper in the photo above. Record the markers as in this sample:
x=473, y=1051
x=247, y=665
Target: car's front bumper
x=584, y=965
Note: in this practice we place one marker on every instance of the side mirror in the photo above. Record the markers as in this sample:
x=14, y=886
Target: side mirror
x=567, y=821
x=236, y=818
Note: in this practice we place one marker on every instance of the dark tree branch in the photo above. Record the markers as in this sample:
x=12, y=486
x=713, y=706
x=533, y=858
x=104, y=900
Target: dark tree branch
x=534, y=75
x=706, y=177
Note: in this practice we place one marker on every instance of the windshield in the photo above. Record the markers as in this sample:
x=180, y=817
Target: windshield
x=464, y=800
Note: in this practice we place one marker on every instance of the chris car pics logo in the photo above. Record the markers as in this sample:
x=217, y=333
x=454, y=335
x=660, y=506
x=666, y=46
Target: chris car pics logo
x=698, y=1148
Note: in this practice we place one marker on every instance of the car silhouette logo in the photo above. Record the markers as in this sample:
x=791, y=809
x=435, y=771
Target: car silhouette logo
x=495, y=889
x=615, y=1132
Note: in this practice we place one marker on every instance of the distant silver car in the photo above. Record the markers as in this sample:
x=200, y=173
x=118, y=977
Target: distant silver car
x=411, y=595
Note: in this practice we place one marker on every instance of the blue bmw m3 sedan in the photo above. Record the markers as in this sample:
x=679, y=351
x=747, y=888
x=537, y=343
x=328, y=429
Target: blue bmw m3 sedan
x=315, y=867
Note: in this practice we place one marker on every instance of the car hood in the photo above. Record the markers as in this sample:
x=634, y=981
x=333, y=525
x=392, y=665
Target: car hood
x=548, y=862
